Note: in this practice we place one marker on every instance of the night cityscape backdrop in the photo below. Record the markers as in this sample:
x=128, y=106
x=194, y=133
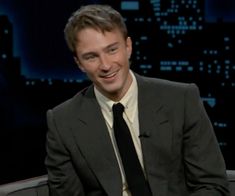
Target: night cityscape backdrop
x=185, y=40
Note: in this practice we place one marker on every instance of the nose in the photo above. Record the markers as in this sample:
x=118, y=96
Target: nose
x=104, y=62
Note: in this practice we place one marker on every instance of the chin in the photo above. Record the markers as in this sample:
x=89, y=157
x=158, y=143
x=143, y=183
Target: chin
x=111, y=90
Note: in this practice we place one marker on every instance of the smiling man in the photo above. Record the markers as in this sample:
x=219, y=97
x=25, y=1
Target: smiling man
x=128, y=135
x=104, y=57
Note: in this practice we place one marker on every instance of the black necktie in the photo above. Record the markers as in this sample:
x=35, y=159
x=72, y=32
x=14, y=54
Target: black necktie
x=136, y=181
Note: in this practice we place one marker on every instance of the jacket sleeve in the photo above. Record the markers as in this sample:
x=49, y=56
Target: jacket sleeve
x=63, y=180
x=204, y=164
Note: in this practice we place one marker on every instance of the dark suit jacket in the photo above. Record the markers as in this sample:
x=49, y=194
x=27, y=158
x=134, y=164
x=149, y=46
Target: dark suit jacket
x=180, y=151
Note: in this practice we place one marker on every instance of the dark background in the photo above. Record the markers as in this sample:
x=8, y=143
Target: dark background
x=187, y=40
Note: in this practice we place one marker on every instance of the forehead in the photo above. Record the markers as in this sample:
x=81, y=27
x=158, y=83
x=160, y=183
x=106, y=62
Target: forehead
x=90, y=38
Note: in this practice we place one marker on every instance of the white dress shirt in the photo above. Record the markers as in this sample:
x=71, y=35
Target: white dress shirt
x=130, y=103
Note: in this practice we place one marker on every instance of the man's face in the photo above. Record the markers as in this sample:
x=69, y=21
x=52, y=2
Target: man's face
x=104, y=57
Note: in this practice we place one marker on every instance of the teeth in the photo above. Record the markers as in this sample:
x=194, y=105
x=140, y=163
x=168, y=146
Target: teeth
x=110, y=75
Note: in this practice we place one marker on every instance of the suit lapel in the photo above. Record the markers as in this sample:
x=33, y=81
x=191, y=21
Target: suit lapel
x=150, y=108
x=95, y=144
x=94, y=141
x=155, y=135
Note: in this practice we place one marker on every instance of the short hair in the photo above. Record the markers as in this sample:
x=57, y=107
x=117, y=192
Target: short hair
x=100, y=17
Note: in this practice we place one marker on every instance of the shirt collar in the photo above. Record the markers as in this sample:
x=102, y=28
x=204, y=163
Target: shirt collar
x=129, y=101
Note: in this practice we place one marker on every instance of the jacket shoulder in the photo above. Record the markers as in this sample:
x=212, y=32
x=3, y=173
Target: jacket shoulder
x=72, y=104
x=164, y=84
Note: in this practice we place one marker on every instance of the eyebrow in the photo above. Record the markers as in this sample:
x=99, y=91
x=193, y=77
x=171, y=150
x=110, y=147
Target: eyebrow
x=87, y=54
x=105, y=48
x=111, y=45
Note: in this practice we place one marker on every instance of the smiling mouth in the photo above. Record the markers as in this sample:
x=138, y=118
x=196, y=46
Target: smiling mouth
x=111, y=75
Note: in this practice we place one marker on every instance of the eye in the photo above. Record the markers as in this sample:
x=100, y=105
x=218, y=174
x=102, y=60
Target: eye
x=112, y=50
x=89, y=57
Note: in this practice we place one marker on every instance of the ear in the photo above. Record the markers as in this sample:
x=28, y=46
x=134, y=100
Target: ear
x=129, y=46
x=78, y=64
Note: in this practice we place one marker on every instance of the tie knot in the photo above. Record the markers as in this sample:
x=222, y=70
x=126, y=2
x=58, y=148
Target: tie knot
x=118, y=108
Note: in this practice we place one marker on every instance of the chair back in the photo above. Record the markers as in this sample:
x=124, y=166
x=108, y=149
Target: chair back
x=231, y=178
x=37, y=186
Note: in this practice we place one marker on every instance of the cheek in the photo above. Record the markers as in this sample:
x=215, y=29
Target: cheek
x=91, y=72
x=122, y=58
x=82, y=68
x=87, y=68
x=126, y=61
